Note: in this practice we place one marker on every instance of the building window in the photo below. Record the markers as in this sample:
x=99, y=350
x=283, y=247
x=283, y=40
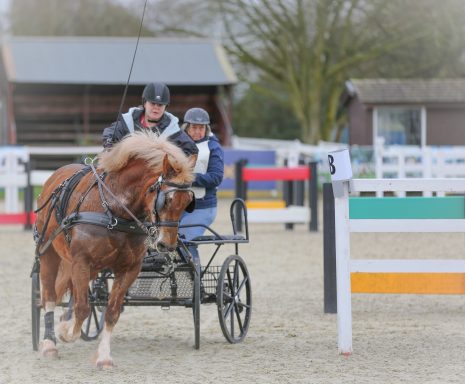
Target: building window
x=400, y=126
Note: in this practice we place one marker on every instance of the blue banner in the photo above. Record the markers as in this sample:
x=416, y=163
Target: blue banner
x=254, y=159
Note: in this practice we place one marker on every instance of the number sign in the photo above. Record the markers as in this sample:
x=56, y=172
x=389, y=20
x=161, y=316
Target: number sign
x=339, y=165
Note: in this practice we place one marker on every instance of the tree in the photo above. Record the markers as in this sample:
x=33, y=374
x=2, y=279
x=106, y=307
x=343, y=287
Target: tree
x=439, y=53
x=259, y=116
x=307, y=49
x=73, y=18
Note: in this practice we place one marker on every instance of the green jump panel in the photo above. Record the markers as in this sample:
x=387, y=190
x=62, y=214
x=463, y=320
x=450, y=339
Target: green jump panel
x=450, y=207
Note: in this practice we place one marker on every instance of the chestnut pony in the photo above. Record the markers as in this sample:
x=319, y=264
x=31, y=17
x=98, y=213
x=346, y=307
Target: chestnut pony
x=103, y=224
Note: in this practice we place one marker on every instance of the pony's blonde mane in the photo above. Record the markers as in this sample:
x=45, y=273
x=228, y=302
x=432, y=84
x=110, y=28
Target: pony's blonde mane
x=150, y=148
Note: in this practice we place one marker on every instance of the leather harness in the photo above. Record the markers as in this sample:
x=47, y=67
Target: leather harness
x=59, y=200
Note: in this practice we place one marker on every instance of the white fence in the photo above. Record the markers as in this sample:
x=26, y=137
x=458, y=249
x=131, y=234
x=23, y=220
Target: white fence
x=13, y=176
x=344, y=226
x=380, y=161
x=401, y=161
x=420, y=162
x=14, y=169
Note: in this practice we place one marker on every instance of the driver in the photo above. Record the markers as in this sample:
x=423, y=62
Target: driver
x=151, y=115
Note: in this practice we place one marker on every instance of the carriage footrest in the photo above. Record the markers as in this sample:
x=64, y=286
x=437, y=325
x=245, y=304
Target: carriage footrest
x=160, y=286
x=153, y=263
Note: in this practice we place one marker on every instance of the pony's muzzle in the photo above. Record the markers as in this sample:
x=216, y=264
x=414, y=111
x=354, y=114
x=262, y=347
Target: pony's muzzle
x=163, y=247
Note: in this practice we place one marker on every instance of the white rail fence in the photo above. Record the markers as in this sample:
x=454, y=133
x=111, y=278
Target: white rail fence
x=401, y=161
x=379, y=161
x=14, y=165
x=419, y=162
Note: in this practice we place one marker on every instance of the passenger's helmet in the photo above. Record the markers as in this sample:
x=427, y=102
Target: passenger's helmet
x=197, y=116
x=156, y=93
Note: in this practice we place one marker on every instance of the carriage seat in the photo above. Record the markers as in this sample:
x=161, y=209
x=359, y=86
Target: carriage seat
x=213, y=238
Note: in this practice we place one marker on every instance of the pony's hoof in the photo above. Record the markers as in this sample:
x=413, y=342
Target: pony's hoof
x=64, y=333
x=48, y=349
x=105, y=364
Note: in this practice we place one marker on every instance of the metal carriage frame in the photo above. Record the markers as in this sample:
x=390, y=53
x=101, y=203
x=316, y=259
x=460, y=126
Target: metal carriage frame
x=175, y=280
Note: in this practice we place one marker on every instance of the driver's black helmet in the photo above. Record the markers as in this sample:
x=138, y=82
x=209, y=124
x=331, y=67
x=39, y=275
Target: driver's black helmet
x=156, y=93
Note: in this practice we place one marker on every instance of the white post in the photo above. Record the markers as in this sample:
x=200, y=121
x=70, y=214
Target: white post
x=12, y=175
x=379, y=156
x=341, y=176
x=344, y=299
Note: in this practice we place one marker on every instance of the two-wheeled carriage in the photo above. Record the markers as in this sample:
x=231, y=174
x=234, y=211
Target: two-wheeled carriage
x=174, y=279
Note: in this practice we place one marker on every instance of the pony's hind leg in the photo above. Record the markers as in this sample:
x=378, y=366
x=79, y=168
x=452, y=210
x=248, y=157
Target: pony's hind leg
x=69, y=330
x=49, y=263
x=121, y=284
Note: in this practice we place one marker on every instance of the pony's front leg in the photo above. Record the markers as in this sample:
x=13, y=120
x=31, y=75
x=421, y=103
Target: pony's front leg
x=121, y=284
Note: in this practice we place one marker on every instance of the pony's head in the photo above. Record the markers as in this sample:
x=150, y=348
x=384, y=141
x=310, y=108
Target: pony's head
x=166, y=180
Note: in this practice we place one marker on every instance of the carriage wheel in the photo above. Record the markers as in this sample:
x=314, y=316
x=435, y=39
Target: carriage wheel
x=93, y=325
x=196, y=305
x=234, y=299
x=35, y=310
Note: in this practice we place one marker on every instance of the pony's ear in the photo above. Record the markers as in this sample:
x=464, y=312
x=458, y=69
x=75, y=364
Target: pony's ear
x=192, y=160
x=168, y=169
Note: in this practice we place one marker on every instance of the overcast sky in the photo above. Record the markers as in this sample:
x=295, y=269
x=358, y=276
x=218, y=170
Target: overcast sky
x=4, y=5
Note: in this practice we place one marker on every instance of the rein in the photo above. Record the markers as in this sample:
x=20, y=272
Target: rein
x=114, y=220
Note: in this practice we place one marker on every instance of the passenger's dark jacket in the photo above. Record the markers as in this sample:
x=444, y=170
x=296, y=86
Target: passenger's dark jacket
x=167, y=127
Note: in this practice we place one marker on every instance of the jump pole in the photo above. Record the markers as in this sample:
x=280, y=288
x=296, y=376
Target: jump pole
x=243, y=175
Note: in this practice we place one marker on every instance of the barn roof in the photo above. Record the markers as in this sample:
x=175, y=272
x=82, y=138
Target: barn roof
x=407, y=90
x=97, y=60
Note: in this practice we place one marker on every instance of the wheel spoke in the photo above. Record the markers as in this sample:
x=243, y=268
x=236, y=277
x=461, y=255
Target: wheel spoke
x=88, y=321
x=231, y=327
x=241, y=286
x=228, y=310
x=96, y=320
x=238, y=316
x=243, y=305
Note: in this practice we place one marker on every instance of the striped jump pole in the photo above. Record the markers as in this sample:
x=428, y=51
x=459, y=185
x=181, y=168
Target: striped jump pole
x=292, y=213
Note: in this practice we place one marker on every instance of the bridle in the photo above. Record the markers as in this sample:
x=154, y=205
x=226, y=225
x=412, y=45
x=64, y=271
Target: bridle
x=161, y=199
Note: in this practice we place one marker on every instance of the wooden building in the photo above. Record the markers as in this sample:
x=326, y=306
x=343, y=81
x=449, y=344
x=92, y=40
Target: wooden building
x=406, y=111
x=66, y=90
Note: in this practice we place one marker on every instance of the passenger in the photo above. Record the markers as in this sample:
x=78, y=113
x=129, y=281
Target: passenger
x=151, y=115
x=208, y=170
